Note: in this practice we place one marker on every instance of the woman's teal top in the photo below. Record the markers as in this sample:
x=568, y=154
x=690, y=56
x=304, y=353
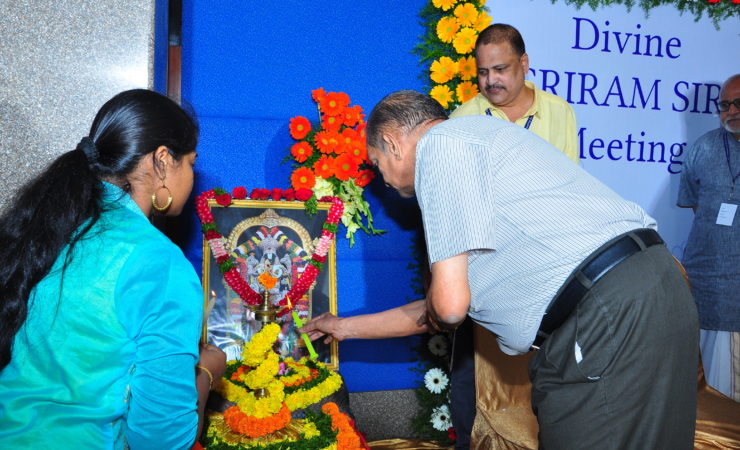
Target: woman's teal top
x=106, y=356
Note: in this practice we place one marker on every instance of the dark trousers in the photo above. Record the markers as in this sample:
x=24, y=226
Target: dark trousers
x=621, y=372
x=462, y=384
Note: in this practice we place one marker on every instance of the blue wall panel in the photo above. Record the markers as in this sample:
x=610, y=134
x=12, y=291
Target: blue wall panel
x=249, y=67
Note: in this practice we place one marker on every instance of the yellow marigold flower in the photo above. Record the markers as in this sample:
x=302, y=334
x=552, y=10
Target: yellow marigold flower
x=464, y=41
x=442, y=94
x=466, y=90
x=443, y=70
x=466, y=14
x=444, y=5
x=482, y=22
x=467, y=68
x=447, y=27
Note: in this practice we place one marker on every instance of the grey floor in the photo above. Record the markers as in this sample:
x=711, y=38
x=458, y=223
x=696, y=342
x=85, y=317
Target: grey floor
x=384, y=414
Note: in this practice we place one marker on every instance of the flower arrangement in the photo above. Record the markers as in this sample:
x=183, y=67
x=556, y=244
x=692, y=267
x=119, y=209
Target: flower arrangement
x=446, y=49
x=225, y=260
x=330, y=159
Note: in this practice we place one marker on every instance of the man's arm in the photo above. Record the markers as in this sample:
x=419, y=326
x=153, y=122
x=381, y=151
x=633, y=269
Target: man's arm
x=397, y=322
x=449, y=294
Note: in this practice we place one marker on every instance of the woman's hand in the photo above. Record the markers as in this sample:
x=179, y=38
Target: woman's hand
x=214, y=360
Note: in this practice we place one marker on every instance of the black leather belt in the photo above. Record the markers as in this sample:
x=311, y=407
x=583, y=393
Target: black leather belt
x=588, y=273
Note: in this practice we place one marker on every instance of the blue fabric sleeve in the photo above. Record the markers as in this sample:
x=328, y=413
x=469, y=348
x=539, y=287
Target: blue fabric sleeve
x=687, y=195
x=160, y=304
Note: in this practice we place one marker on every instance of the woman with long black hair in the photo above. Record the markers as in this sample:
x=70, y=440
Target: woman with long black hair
x=100, y=313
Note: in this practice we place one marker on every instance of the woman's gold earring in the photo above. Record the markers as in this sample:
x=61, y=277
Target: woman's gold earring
x=169, y=198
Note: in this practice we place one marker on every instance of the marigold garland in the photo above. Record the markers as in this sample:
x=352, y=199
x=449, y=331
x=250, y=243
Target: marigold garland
x=253, y=426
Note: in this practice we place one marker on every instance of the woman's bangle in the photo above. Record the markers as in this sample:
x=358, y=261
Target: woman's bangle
x=208, y=372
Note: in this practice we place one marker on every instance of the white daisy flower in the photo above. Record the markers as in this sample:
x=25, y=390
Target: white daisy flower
x=438, y=345
x=441, y=418
x=435, y=380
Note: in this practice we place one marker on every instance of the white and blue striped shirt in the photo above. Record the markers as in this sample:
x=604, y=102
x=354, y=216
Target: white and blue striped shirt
x=525, y=213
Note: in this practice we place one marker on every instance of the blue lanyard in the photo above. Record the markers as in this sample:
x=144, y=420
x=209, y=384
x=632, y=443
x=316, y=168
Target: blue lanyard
x=526, y=125
x=729, y=164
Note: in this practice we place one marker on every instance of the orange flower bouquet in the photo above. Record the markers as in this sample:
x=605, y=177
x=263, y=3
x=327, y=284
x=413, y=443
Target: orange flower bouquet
x=330, y=159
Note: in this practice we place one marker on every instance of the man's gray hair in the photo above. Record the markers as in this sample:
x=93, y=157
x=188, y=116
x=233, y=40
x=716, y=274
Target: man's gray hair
x=402, y=111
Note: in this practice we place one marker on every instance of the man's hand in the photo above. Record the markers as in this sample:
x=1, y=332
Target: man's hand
x=326, y=324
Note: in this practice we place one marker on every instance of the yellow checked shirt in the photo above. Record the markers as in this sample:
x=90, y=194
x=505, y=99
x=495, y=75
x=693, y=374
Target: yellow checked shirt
x=553, y=119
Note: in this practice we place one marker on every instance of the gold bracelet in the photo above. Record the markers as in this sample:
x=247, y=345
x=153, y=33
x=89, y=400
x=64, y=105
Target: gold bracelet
x=208, y=372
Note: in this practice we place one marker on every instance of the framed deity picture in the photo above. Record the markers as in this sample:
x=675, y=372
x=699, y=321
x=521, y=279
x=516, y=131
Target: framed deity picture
x=276, y=238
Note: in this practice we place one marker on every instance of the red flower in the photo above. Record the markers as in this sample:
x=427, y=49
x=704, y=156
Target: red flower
x=301, y=151
x=351, y=116
x=239, y=193
x=327, y=141
x=331, y=123
x=364, y=177
x=324, y=167
x=319, y=258
x=303, y=177
x=210, y=234
x=303, y=194
x=451, y=433
x=223, y=199
x=222, y=258
x=289, y=194
x=318, y=94
x=345, y=167
x=255, y=194
x=276, y=194
x=265, y=194
x=299, y=127
x=334, y=103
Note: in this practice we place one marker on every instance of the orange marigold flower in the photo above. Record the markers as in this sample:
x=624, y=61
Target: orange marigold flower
x=303, y=177
x=334, y=103
x=324, y=167
x=267, y=280
x=464, y=41
x=447, y=27
x=345, y=167
x=467, y=14
x=299, y=127
x=301, y=151
x=327, y=141
x=331, y=123
x=364, y=177
x=444, y=5
x=466, y=90
x=442, y=94
x=482, y=21
x=254, y=427
x=467, y=68
x=443, y=70
x=318, y=94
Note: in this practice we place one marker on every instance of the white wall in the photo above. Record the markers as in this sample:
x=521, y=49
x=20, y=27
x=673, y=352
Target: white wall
x=572, y=50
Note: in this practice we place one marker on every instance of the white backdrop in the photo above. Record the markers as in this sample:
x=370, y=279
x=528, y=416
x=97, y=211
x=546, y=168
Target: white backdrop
x=643, y=90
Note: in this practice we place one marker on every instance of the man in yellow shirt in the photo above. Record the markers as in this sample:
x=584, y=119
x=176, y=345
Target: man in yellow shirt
x=502, y=63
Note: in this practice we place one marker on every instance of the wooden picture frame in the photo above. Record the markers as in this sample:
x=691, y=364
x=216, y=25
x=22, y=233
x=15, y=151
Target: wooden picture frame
x=278, y=237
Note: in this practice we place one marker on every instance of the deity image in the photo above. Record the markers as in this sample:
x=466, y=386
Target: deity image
x=266, y=244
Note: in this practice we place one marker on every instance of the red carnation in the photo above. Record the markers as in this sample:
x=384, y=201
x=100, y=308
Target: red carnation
x=276, y=194
x=264, y=194
x=239, y=192
x=223, y=199
x=211, y=234
x=255, y=194
x=303, y=194
x=289, y=194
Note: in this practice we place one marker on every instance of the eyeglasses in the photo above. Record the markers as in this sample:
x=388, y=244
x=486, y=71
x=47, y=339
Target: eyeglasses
x=724, y=105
